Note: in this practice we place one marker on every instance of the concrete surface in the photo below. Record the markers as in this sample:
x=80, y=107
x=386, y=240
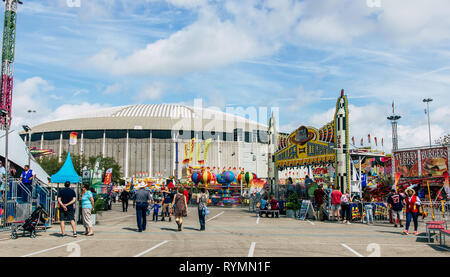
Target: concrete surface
x=230, y=232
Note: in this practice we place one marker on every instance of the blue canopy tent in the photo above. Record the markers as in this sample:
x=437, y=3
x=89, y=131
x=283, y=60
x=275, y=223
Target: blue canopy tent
x=66, y=173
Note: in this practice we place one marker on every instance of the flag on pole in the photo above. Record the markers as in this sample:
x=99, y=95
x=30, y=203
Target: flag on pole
x=73, y=138
x=362, y=141
x=369, y=138
x=108, y=176
x=207, y=146
x=191, y=150
x=393, y=110
x=353, y=140
x=376, y=141
x=382, y=141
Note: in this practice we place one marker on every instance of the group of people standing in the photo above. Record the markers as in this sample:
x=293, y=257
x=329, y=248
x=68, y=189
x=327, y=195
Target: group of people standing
x=340, y=206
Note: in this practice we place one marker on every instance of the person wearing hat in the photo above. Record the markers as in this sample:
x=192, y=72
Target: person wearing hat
x=412, y=209
x=395, y=203
x=143, y=202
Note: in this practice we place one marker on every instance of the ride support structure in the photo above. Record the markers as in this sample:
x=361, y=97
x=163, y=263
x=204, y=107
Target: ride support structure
x=8, y=53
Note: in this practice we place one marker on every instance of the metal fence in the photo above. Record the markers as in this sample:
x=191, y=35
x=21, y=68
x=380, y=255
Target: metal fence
x=22, y=200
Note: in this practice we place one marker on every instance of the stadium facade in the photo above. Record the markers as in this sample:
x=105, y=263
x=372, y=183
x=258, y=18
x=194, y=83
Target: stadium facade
x=150, y=138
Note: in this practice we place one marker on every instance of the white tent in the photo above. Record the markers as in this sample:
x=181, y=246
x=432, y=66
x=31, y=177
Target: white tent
x=18, y=154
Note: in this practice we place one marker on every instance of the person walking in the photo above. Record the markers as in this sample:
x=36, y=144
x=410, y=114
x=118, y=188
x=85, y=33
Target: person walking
x=143, y=202
x=87, y=207
x=155, y=207
x=66, y=200
x=166, y=206
x=202, y=201
x=180, y=204
x=345, y=208
x=395, y=203
x=412, y=210
x=368, y=207
x=319, y=195
x=336, y=195
x=124, y=197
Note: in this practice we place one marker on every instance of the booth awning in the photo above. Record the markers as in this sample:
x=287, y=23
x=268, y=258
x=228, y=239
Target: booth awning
x=66, y=173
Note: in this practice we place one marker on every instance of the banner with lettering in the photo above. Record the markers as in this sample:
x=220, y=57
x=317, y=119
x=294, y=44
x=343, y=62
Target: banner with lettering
x=191, y=149
x=108, y=176
x=407, y=163
x=434, y=161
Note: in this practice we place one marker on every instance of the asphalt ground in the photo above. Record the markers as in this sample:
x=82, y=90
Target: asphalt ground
x=230, y=232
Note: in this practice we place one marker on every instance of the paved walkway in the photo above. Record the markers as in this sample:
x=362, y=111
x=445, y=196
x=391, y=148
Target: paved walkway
x=231, y=232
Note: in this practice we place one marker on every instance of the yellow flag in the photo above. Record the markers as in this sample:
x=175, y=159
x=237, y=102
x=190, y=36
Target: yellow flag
x=199, y=149
x=207, y=145
x=191, y=150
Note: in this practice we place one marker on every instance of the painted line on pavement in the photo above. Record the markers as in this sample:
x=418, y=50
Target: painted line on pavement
x=310, y=222
x=154, y=247
x=257, y=220
x=351, y=250
x=252, y=249
x=49, y=249
x=214, y=216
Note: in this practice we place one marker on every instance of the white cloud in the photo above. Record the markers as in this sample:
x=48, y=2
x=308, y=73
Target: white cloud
x=151, y=92
x=112, y=89
x=187, y=3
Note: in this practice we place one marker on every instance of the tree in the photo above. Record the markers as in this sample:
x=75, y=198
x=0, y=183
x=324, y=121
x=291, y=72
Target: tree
x=107, y=163
x=51, y=165
x=445, y=140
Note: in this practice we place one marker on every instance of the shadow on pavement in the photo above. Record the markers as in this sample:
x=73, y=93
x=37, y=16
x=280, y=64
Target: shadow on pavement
x=440, y=248
x=169, y=229
x=130, y=229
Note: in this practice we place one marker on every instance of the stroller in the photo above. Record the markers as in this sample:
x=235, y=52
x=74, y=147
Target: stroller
x=30, y=224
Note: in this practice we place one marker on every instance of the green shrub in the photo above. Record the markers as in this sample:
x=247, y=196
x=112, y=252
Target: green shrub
x=293, y=202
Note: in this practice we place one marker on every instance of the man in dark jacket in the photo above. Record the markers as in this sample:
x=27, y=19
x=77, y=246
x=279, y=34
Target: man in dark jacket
x=124, y=196
x=319, y=195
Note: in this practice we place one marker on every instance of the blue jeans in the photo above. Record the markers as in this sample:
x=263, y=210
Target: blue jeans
x=141, y=216
x=414, y=217
x=369, y=212
x=201, y=218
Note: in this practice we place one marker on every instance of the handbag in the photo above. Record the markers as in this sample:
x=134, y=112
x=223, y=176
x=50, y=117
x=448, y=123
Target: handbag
x=205, y=211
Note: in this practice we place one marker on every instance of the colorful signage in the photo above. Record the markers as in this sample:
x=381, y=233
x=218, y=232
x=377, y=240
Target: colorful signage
x=407, y=163
x=434, y=161
x=304, y=148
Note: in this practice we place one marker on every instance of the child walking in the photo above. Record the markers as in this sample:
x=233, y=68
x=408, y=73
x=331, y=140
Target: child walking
x=155, y=211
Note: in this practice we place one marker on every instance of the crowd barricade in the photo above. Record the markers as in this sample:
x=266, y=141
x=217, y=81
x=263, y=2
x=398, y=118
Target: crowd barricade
x=21, y=201
x=380, y=212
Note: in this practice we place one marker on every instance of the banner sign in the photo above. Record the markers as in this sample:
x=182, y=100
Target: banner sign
x=108, y=176
x=191, y=150
x=305, y=146
x=407, y=163
x=73, y=138
x=434, y=161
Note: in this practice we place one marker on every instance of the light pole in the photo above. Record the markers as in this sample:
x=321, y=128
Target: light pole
x=427, y=111
x=27, y=129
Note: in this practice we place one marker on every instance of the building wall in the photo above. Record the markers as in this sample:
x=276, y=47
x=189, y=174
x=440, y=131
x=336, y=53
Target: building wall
x=250, y=155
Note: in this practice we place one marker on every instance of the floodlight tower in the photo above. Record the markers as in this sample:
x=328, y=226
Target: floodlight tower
x=8, y=51
x=394, y=121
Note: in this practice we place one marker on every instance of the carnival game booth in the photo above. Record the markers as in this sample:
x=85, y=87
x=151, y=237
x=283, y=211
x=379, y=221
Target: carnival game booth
x=321, y=154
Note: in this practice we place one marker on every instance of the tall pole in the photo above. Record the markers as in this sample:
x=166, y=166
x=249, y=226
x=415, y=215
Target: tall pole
x=428, y=113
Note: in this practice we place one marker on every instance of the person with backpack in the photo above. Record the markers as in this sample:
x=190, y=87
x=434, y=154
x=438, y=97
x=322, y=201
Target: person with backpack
x=202, y=201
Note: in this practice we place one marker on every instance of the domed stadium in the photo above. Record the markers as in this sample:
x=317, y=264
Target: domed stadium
x=149, y=139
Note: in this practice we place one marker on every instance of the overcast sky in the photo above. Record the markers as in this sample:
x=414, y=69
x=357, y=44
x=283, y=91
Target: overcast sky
x=293, y=55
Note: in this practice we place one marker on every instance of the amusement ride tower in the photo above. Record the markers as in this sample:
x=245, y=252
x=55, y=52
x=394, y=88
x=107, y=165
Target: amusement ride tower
x=8, y=51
